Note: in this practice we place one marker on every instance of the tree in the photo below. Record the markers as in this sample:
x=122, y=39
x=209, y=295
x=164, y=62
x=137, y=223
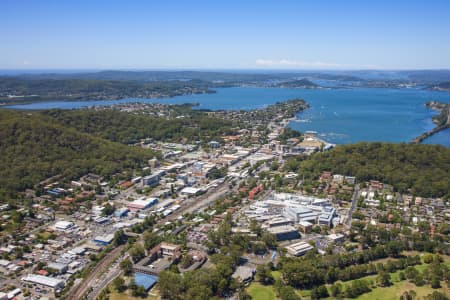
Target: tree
x=119, y=284
x=170, y=285
x=288, y=293
x=127, y=266
x=437, y=296
x=139, y=292
x=384, y=279
x=120, y=237
x=264, y=275
x=137, y=252
x=336, y=290
x=186, y=261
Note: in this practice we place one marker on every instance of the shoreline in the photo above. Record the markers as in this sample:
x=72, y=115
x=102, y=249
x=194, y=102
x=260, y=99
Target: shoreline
x=442, y=120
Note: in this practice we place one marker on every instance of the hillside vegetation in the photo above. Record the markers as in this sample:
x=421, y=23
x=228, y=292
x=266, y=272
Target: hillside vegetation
x=128, y=128
x=33, y=148
x=423, y=168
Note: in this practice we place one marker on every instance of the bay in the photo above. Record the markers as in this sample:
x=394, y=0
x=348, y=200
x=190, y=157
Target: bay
x=337, y=115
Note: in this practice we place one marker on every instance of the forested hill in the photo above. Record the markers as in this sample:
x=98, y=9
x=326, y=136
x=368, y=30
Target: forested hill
x=423, y=168
x=128, y=128
x=32, y=148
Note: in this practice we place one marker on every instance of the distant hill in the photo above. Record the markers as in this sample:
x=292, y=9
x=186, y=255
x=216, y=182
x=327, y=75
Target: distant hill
x=34, y=148
x=128, y=128
x=423, y=168
x=443, y=86
x=427, y=75
x=299, y=83
x=33, y=89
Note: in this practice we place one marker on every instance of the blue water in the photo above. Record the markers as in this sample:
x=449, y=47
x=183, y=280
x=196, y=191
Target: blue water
x=338, y=115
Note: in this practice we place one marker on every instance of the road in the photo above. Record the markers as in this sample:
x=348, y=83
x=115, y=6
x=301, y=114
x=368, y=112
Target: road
x=353, y=206
x=79, y=290
x=91, y=281
x=106, y=279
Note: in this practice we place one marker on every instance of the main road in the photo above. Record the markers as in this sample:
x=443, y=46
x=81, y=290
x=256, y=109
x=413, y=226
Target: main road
x=353, y=206
x=90, y=285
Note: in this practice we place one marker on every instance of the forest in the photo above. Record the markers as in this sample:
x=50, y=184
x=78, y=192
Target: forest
x=423, y=170
x=34, y=148
x=128, y=128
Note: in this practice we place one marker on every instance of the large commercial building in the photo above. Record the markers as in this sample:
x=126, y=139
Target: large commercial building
x=63, y=225
x=54, y=283
x=142, y=203
x=283, y=233
x=104, y=239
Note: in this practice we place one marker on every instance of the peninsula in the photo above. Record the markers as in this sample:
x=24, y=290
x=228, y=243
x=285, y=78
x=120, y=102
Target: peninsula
x=442, y=120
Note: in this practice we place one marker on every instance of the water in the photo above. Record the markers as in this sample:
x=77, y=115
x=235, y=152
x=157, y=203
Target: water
x=338, y=115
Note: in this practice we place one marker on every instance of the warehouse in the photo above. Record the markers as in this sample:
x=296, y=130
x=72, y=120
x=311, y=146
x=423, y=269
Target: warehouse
x=142, y=203
x=298, y=249
x=104, y=239
x=54, y=283
x=63, y=225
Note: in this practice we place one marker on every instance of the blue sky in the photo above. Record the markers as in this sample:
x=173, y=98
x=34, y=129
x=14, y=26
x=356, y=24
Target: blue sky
x=284, y=34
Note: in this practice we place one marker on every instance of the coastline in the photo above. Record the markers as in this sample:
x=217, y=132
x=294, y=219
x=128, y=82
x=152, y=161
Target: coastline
x=442, y=120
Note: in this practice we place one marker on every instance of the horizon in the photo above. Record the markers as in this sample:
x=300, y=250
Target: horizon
x=200, y=35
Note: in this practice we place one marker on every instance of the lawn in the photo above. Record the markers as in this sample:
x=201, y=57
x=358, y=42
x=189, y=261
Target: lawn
x=261, y=292
x=397, y=289
x=117, y=296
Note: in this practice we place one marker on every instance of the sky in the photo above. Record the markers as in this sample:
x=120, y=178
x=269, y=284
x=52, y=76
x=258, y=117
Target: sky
x=190, y=34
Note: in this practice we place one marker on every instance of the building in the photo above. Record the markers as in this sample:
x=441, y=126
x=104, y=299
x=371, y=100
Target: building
x=54, y=283
x=145, y=280
x=278, y=221
x=170, y=249
x=305, y=226
x=58, y=267
x=336, y=237
x=299, y=248
x=151, y=180
x=300, y=213
x=283, y=233
x=63, y=225
x=122, y=212
x=191, y=191
x=159, y=258
x=142, y=203
x=104, y=239
x=214, y=144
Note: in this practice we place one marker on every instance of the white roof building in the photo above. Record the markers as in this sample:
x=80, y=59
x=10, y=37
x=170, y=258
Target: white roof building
x=51, y=282
x=299, y=248
x=63, y=225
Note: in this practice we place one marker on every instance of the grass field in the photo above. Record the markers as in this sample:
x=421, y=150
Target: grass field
x=117, y=296
x=397, y=289
x=260, y=292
